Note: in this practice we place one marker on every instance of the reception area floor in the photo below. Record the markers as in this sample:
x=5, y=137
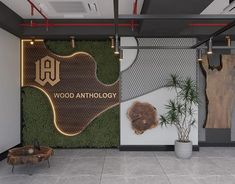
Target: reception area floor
x=110, y=166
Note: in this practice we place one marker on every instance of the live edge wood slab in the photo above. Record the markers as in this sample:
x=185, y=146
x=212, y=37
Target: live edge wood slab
x=143, y=116
x=21, y=155
x=220, y=91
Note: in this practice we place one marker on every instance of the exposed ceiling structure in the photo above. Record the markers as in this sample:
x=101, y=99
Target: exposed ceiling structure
x=72, y=9
x=95, y=18
x=178, y=7
x=220, y=7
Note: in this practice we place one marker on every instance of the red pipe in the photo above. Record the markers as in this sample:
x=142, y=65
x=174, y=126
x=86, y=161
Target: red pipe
x=76, y=25
x=47, y=24
x=208, y=24
x=134, y=12
x=32, y=9
x=135, y=7
x=33, y=6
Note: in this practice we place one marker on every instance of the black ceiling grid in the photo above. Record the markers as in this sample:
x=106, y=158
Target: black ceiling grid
x=10, y=21
x=168, y=18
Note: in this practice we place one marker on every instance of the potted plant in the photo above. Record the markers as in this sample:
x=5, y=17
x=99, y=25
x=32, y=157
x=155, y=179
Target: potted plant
x=180, y=112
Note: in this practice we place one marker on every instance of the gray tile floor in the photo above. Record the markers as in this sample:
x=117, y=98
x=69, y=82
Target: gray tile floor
x=81, y=166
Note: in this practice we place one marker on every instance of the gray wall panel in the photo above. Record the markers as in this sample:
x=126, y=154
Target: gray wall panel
x=201, y=106
x=233, y=115
x=153, y=67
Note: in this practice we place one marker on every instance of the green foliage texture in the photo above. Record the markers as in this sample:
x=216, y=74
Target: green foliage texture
x=37, y=117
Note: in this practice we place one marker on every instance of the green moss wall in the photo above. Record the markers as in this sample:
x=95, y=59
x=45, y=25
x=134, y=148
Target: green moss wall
x=37, y=117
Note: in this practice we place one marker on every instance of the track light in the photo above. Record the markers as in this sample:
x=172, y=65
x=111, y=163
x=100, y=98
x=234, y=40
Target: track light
x=120, y=55
x=112, y=41
x=228, y=39
x=72, y=41
x=209, y=51
x=116, y=50
x=199, y=57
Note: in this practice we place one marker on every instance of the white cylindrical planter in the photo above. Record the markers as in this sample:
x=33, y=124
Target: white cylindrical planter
x=183, y=149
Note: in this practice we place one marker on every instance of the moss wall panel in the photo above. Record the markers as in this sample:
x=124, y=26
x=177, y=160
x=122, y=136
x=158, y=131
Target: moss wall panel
x=37, y=114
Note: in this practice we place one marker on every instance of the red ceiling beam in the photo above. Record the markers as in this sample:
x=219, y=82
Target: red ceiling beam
x=76, y=25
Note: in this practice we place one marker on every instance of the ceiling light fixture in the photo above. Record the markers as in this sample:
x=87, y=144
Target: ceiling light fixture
x=120, y=55
x=199, y=52
x=228, y=39
x=72, y=41
x=112, y=41
x=32, y=42
x=116, y=50
x=209, y=51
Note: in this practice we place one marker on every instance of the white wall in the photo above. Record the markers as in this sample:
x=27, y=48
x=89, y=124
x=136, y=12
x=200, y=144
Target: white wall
x=160, y=62
x=129, y=55
x=160, y=135
x=9, y=90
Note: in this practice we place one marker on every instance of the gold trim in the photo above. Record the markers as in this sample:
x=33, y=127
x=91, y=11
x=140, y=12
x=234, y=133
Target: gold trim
x=93, y=59
x=72, y=55
x=22, y=56
x=55, y=117
x=48, y=96
x=53, y=109
x=22, y=62
x=36, y=40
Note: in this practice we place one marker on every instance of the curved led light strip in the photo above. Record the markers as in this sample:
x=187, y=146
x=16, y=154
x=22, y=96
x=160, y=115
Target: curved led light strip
x=53, y=109
x=42, y=90
x=55, y=117
x=22, y=57
x=85, y=53
x=48, y=96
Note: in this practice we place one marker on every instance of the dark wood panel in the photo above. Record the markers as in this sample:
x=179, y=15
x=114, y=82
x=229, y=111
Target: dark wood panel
x=77, y=78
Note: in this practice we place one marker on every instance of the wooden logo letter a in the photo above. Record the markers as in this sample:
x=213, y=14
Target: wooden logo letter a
x=47, y=70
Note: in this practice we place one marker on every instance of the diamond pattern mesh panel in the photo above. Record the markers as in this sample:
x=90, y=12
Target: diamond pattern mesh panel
x=153, y=67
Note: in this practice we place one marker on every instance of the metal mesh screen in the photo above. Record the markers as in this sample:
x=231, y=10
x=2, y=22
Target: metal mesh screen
x=153, y=67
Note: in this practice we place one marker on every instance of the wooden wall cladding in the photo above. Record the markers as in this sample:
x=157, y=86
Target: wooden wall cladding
x=70, y=83
x=220, y=91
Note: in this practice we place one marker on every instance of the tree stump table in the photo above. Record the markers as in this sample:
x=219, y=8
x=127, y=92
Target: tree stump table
x=29, y=155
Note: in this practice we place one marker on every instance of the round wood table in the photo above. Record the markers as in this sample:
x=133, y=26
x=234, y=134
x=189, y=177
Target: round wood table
x=29, y=155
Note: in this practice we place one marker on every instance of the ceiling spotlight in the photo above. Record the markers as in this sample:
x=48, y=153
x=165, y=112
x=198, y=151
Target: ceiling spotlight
x=199, y=57
x=72, y=41
x=209, y=51
x=228, y=39
x=112, y=41
x=31, y=42
x=116, y=50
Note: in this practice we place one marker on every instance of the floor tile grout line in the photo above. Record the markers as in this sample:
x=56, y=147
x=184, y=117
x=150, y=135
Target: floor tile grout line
x=155, y=155
x=63, y=173
x=57, y=180
x=218, y=165
x=158, y=158
x=103, y=167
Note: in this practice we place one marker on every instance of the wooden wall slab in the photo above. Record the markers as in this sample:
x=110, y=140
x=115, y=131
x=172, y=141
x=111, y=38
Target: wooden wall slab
x=220, y=91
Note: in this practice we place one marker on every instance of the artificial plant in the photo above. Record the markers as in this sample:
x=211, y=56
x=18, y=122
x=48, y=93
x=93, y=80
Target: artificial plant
x=180, y=111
